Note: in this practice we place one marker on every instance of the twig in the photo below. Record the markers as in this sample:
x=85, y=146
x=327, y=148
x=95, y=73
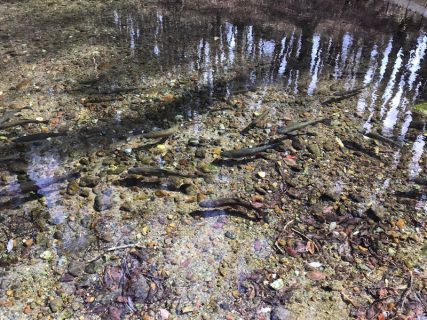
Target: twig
x=346, y=298
x=407, y=291
x=132, y=245
x=276, y=243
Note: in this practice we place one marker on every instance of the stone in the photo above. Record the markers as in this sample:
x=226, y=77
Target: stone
x=73, y=188
x=315, y=150
x=56, y=305
x=277, y=284
x=200, y=153
x=103, y=201
x=138, y=288
x=164, y=314
x=280, y=313
x=88, y=181
x=187, y=309
x=75, y=268
x=298, y=143
x=231, y=235
x=47, y=255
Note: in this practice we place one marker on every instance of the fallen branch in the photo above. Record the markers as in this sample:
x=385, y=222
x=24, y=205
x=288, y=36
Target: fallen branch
x=300, y=125
x=21, y=123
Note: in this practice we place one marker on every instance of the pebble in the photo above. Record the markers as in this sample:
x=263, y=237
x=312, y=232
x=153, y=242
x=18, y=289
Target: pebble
x=315, y=150
x=280, y=313
x=164, y=314
x=75, y=268
x=231, y=235
x=262, y=174
x=47, y=255
x=102, y=201
x=316, y=275
x=187, y=309
x=73, y=188
x=277, y=284
x=193, y=142
x=56, y=305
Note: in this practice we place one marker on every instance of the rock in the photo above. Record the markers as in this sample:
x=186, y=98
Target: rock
x=85, y=192
x=73, y=188
x=164, y=314
x=315, y=150
x=18, y=167
x=231, y=235
x=332, y=194
x=277, y=284
x=89, y=181
x=56, y=305
x=200, y=153
x=47, y=255
x=376, y=213
x=316, y=275
x=298, y=143
x=58, y=235
x=75, y=268
x=193, y=142
x=187, y=309
x=103, y=201
x=262, y=174
x=93, y=267
x=189, y=189
x=138, y=288
x=280, y=313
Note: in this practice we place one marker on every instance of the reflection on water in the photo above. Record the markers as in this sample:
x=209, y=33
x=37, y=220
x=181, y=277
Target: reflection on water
x=417, y=152
x=231, y=56
x=43, y=170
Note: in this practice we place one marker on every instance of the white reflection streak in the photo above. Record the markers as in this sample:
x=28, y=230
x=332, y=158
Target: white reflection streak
x=417, y=152
x=391, y=82
x=231, y=41
x=391, y=117
x=342, y=58
x=250, y=40
x=405, y=125
x=314, y=52
x=283, y=62
x=42, y=170
x=416, y=56
x=299, y=44
x=361, y=103
x=374, y=95
x=117, y=19
x=296, y=82
x=314, y=64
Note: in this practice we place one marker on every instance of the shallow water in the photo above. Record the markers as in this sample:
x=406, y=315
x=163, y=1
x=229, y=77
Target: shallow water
x=104, y=73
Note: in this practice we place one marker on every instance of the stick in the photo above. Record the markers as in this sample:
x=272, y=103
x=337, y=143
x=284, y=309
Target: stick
x=407, y=291
x=126, y=246
x=21, y=123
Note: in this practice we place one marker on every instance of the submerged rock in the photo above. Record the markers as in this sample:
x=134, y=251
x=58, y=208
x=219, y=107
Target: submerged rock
x=280, y=313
